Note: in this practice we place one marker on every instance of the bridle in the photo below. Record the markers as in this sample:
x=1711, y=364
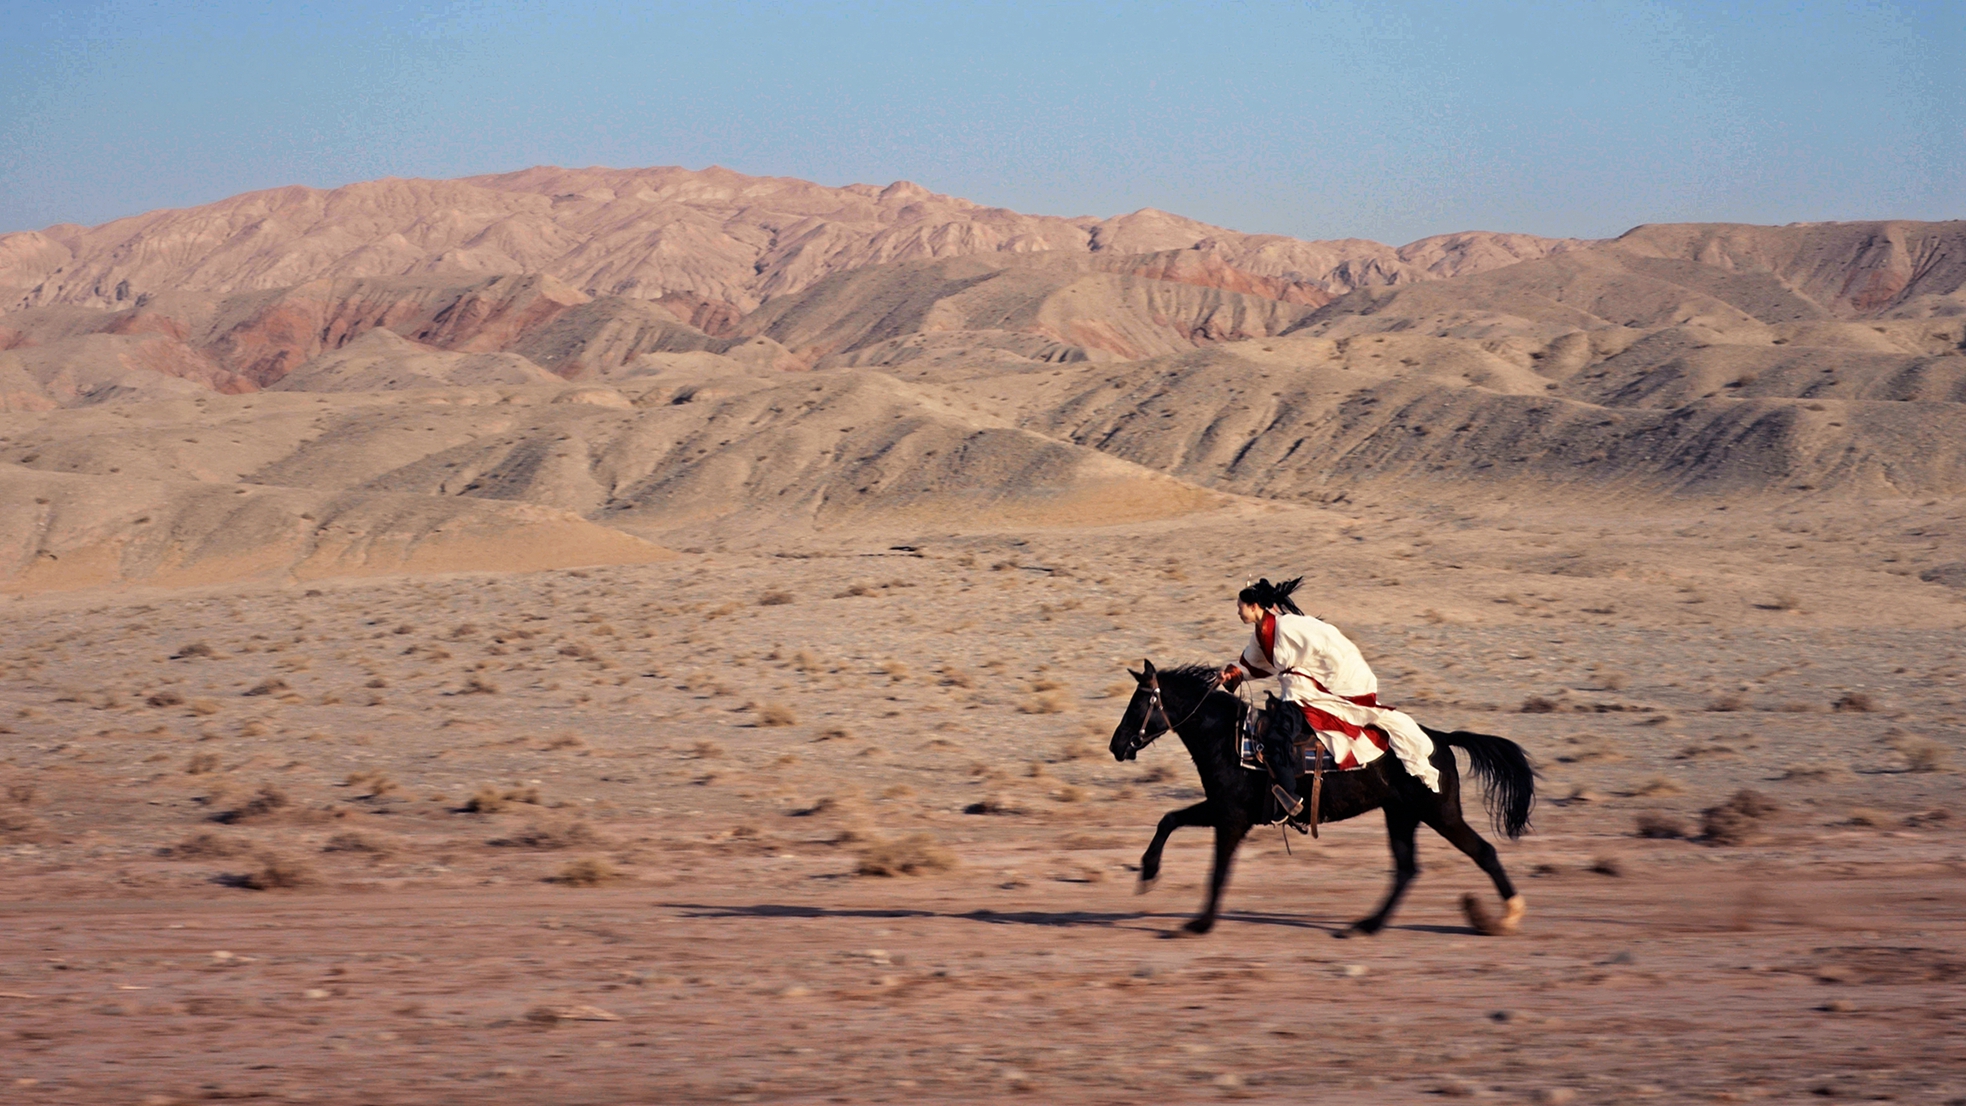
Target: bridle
x=1157, y=705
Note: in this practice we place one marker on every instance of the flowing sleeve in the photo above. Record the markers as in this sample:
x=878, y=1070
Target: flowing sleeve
x=1252, y=658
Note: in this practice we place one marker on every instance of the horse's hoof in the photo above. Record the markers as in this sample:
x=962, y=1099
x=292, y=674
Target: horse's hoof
x=1487, y=924
x=1198, y=926
x=1143, y=886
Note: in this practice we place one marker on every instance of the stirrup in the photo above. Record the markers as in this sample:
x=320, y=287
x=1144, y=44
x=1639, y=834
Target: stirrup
x=1293, y=806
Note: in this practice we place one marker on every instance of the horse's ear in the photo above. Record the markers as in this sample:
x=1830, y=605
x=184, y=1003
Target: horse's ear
x=1138, y=677
x=1149, y=666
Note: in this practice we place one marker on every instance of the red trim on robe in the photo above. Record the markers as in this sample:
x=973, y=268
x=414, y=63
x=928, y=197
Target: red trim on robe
x=1331, y=723
x=1266, y=638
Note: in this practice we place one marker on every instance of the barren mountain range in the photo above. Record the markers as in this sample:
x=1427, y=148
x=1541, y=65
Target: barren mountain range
x=310, y=382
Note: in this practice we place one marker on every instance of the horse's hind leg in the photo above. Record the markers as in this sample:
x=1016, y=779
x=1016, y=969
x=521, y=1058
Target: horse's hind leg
x=1200, y=814
x=1227, y=838
x=1400, y=824
x=1463, y=837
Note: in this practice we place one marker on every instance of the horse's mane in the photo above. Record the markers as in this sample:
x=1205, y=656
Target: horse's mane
x=1200, y=678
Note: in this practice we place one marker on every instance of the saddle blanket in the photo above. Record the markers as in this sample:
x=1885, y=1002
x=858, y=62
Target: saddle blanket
x=1250, y=749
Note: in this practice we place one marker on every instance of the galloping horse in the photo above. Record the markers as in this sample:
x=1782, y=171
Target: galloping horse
x=1188, y=701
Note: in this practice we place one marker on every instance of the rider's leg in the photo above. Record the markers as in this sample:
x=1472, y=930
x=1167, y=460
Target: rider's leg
x=1280, y=754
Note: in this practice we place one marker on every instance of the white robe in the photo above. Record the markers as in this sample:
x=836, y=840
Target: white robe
x=1324, y=673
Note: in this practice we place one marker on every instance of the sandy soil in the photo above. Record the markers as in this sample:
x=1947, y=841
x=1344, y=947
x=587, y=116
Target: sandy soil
x=598, y=835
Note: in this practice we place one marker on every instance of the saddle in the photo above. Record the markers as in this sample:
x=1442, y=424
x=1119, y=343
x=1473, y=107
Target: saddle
x=1310, y=751
x=1256, y=726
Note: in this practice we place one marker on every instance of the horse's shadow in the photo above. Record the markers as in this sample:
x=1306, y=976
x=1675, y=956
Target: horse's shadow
x=1141, y=920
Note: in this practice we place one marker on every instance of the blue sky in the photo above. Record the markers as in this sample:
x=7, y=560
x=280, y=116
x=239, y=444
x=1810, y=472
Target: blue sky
x=1378, y=120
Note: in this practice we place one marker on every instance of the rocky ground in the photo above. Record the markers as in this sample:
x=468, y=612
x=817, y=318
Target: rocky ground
x=701, y=829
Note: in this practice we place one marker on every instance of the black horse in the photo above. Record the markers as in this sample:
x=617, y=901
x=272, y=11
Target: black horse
x=1187, y=701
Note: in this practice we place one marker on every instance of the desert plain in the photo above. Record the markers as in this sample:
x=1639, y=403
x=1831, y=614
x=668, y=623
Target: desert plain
x=645, y=636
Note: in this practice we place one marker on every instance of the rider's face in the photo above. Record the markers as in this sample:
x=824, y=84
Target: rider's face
x=1248, y=612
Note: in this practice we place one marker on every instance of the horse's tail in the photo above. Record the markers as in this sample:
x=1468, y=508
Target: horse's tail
x=1503, y=765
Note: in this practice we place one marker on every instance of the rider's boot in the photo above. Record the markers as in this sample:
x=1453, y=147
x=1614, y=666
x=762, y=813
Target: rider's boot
x=1281, y=756
x=1293, y=807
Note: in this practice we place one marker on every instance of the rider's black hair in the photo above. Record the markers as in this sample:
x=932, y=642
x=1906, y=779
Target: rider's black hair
x=1274, y=596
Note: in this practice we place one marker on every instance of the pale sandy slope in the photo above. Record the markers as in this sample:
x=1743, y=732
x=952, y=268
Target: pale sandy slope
x=997, y=388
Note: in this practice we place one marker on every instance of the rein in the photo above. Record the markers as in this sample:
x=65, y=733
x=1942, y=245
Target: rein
x=1157, y=706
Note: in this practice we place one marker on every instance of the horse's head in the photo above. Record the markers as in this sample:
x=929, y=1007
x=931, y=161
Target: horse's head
x=1145, y=718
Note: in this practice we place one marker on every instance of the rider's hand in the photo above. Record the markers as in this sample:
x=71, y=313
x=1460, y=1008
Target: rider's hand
x=1231, y=676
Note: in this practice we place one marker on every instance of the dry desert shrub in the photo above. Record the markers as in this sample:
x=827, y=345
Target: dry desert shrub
x=1738, y=820
x=775, y=714
x=1854, y=702
x=954, y=676
x=204, y=845
x=1655, y=824
x=1537, y=704
x=276, y=873
x=1656, y=785
x=849, y=804
x=1070, y=793
x=478, y=685
x=267, y=686
x=1922, y=754
x=21, y=793
x=566, y=741
x=565, y=835
x=706, y=750
x=1865, y=816
x=1815, y=773
x=201, y=764
x=1728, y=703
x=775, y=599
x=195, y=649
x=372, y=784
x=590, y=872
x=491, y=800
x=164, y=698
x=267, y=801
x=487, y=800
x=354, y=841
x=1586, y=747
x=19, y=827
x=1050, y=702
x=205, y=708
x=913, y=855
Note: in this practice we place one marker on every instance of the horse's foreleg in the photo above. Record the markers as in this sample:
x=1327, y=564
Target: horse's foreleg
x=1400, y=824
x=1200, y=814
x=1463, y=837
x=1227, y=838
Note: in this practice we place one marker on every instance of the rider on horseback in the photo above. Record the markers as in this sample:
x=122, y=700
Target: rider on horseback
x=1324, y=675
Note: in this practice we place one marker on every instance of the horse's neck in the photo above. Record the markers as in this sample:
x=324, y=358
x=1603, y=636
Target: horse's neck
x=1196, y=730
